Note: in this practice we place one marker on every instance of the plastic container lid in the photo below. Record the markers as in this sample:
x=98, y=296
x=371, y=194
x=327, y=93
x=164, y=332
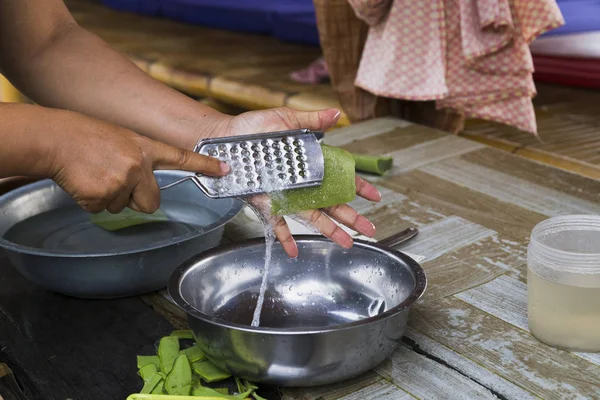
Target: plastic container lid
x=566, y=250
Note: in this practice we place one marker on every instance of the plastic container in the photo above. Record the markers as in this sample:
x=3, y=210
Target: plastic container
x=563, y=273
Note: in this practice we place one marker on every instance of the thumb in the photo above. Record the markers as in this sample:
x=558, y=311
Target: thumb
x=314, y=120
x=164, y=156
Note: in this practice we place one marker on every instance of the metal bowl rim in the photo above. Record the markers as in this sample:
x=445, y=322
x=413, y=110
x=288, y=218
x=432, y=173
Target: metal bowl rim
x=180, y=272
x=11, y=246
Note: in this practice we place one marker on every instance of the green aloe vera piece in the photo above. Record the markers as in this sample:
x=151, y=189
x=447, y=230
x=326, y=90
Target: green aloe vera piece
x=151, y=383
x=193, y=354
x=373, y=164
x=147, y=371
x=338, y=186
x=183, y=334
x=138, y=396
x=125, y=219
x=222, y=390
x=168, y=351
x=179, y=380
x=142, y=361
x=160, y=388
x=209, y=372
x=205, y=392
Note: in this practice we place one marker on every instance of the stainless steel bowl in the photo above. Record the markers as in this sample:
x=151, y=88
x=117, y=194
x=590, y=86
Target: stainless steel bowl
x=329, y=315
x=53, y=243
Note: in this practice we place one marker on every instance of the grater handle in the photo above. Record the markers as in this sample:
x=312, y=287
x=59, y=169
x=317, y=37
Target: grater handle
x=193, y=178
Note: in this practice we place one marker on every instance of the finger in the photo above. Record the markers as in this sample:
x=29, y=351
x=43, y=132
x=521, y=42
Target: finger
x=284, y=235
x=93, y=207
x=327, y=227
x=164, y=156
x=348, y=216
x=366, y=190
x=145, y=196
x=117, y=204
x=314, y=120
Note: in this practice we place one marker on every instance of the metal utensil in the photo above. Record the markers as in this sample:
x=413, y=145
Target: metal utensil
x=329, y=315
x=53, y=243
x=261, y=163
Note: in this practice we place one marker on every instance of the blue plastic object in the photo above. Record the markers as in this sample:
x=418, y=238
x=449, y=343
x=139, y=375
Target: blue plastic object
x=147, y=7
x=580, y=16
x=234, y=15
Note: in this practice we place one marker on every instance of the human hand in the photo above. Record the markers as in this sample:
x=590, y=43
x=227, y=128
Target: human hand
x=283, y=119
x=106, y=167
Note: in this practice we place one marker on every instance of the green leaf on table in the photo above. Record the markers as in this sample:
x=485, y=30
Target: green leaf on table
x=183, y=334
x=179, y=380
x=147, y=371
x=193, y=354
x=151, y=383
x=126, y=218
x=209, y=372
x=168, y=351
x=142, y=361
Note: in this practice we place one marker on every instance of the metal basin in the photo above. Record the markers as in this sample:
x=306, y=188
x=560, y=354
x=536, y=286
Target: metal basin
x=329, y=315
x=53, y=243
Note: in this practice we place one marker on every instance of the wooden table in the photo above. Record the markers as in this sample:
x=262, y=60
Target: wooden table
x=475, y=207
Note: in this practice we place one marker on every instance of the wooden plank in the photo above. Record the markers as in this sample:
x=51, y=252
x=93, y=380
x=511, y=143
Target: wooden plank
x=393, y=140
x=508, y=352
x=510, y=189
x=452, y=199
x=498, y=385
x=363, y=130
x=370, y=385
x=430, y=152
x=506, y=298
x=425, y=378
x=471, y=266
x=537, y=173
x=447, y=235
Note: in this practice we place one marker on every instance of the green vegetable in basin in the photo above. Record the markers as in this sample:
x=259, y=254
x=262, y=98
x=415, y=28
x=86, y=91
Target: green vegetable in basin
x=126, y=218
x=373, y=164
x=338, y=187
x=179, y=380
x=151, y=383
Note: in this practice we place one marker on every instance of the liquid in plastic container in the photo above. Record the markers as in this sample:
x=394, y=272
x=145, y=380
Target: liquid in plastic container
x=563, y=274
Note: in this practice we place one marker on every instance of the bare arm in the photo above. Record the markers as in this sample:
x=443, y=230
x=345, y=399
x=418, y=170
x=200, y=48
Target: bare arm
x=58, y=64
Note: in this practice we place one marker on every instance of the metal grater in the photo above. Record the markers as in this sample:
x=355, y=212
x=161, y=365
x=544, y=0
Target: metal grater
x=262, y=163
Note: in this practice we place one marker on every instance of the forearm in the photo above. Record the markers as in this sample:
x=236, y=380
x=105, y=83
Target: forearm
x=28, y=135
x=80, y=72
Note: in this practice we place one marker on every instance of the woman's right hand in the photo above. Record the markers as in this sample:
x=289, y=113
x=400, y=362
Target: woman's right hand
x=106, y=167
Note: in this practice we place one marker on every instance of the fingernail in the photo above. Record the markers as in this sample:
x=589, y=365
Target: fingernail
x=224, y=167
x=365, y=226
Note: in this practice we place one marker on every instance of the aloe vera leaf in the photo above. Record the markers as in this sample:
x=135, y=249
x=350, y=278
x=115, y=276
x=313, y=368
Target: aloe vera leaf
x=147, y=371
x=338, y=186
x=193, y=354
x=209, y=372
x=204, y=392
x=374, y=164
x=250, y=385
x=222, y=390
x=142, y=361
x=151, y=383
x=168, y=351
x=240, y=386
x=138, y=396
x=183, y=334
x=257, y=397
x=179, y=380
x=160, y=388
x=125, y=219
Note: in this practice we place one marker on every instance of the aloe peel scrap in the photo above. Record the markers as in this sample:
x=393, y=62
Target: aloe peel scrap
x=176, y=373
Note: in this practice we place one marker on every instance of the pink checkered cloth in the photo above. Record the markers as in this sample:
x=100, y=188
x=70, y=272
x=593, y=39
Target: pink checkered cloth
x=471, y=56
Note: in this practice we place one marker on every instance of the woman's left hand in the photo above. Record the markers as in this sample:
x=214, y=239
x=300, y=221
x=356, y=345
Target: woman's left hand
x=278, y=119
